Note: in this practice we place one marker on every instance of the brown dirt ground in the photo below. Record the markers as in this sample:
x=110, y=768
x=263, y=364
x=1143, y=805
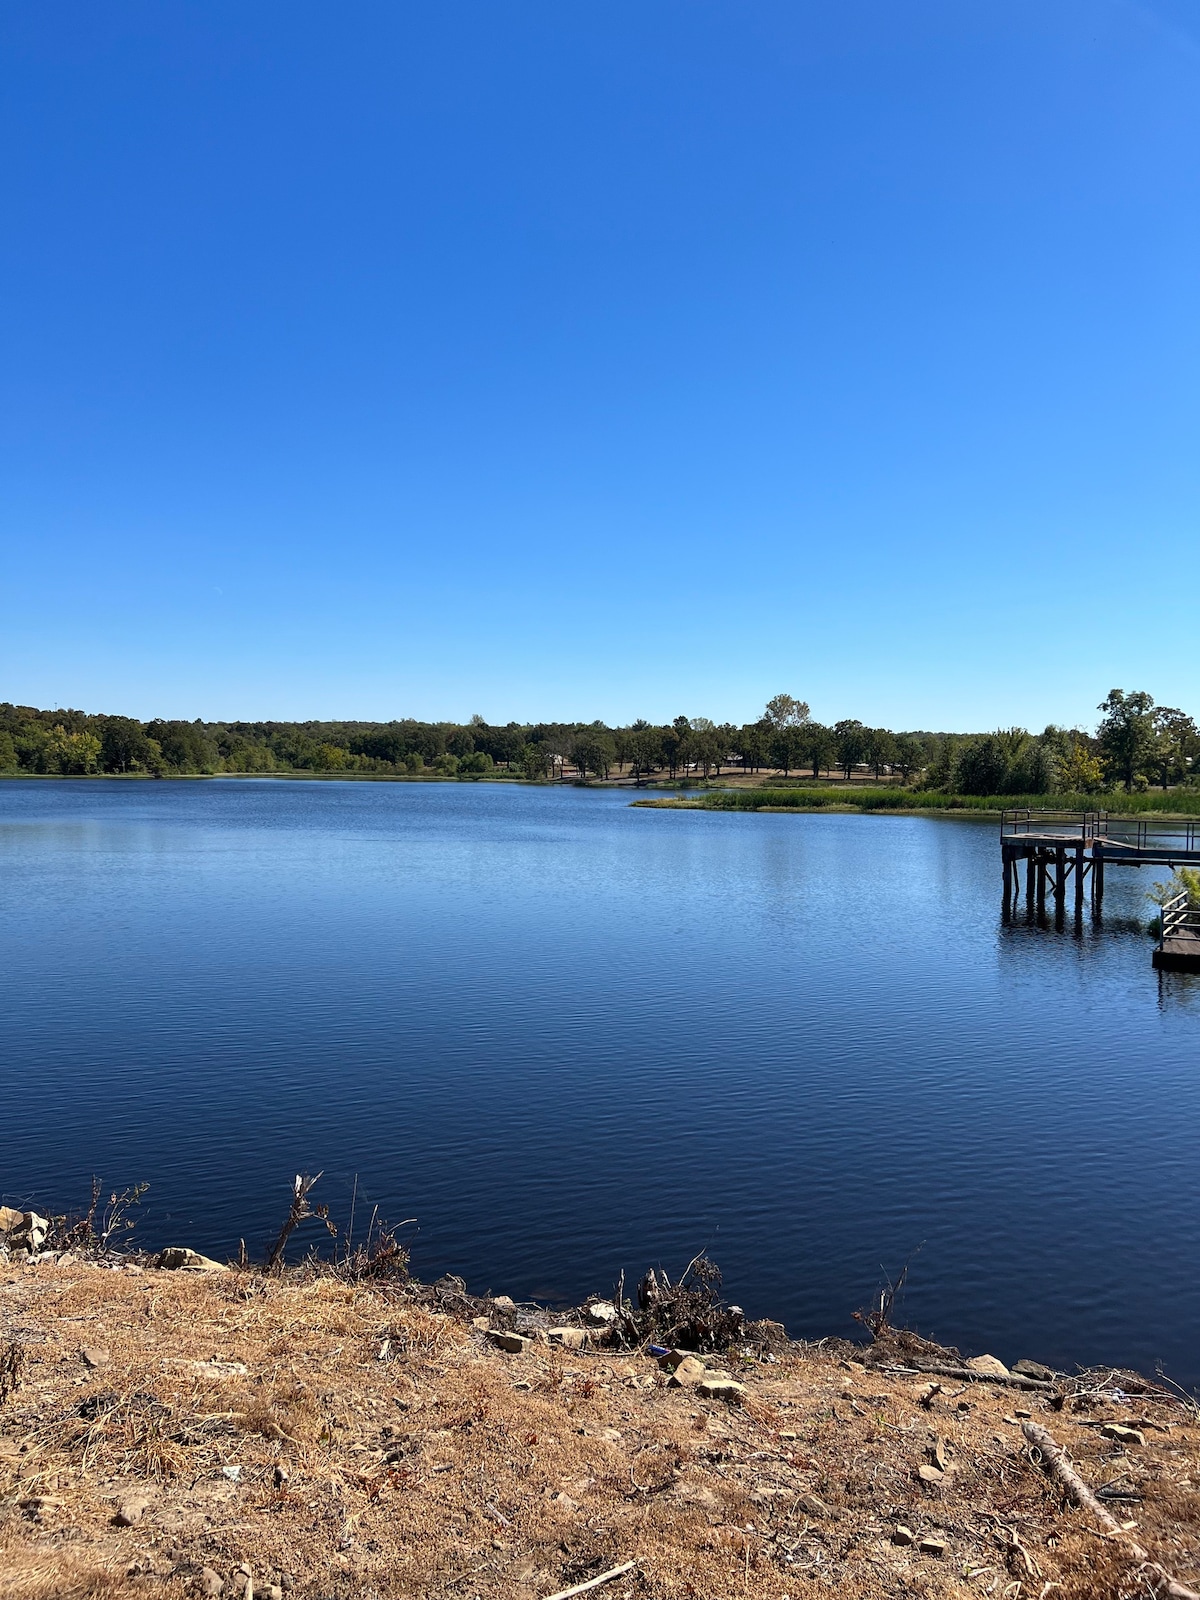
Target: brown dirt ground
x=261, y=1426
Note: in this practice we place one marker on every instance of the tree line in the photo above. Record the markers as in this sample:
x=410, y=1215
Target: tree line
x=1137, y=743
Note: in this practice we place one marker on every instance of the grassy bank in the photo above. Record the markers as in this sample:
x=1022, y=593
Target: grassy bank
x=1172, y=803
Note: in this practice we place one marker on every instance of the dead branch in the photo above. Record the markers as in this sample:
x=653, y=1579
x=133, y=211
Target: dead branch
x=594, y=1583
x=945, y=1369
x=297, y=1213
x=1056, y=1462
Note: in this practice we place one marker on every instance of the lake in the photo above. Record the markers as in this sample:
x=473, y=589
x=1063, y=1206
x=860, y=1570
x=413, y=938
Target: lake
x=569, y=1036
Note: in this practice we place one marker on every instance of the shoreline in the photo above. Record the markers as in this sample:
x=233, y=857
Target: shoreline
x=199, y=1429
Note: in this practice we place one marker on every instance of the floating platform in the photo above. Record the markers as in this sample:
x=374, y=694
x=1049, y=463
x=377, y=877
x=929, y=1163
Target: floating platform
x=1180, y=953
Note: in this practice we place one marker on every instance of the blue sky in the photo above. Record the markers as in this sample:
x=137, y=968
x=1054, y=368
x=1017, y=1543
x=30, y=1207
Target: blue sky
x=600, y=360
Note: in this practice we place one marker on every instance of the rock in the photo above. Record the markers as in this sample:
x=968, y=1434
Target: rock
x=688, y=1373
x=931, y=1475
x=274, y=1592
x=569, y=1338
x=10, y=1218
x=988, y=1366
x=130, y=1512
x=210, y=1583
x=714, y=1388
x=1033, y=1369
x=1122, y=1434
x=28, y=1232
x=234, y=1474
x=672, y=1358
x=502, y=1302
x=95, y=1355
x=514, y=1343
x=931, y=1545
x=610, y=1435
x=601, y=1313
x=813, y=1506
x=564, y=1502
x=175, y=1258
x=901, y=1534
x=481, y=1324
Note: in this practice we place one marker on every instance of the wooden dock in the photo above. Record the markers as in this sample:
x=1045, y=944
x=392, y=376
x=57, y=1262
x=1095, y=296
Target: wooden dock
x=1063, y=852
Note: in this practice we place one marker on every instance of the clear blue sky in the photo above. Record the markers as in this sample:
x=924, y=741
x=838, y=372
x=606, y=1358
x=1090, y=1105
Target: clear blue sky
x=577, y=360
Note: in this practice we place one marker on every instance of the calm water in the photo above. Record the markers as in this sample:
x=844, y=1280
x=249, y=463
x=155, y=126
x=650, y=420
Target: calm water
x=568, y=1037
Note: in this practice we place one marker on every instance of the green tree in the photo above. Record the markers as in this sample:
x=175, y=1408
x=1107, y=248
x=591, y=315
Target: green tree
x=645, y=749
x=819, y=747
x=73, y=753
x=123, y=745
x=704, y=744
x=1126, y=733
x=850, y=743
x=785, y=711
x=879, y=750
x=910, y=755
x=1176, y=741
x=1079, y=769
x=8, y=752
x=592, y=750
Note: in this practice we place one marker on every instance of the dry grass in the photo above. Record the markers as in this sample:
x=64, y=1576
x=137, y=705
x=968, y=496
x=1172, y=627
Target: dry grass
x=259, y=1423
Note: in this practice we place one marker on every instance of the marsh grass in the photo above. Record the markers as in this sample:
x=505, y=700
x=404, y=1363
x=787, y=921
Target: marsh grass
x=1172, y=803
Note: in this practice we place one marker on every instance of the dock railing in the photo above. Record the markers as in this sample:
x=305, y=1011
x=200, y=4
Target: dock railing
x=1152, y=833
x=1179, y=920
x=1082, y=825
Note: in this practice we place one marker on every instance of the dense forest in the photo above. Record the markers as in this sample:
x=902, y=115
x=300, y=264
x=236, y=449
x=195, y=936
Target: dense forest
x=1136, y=744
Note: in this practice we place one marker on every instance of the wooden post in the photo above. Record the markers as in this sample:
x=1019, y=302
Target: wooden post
x=1029, y=874
x=1041, y=883
x=1080, y=859
x=1097, y=879
x=1008, y=873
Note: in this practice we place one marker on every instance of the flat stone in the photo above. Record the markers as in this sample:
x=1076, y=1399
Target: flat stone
x=175, y=1258
x=130, y=1512
x=569, y=1338
x=688, y=1373
x=931, y=1545
x=481, y=1323
x=714, y=1388
x=1122, y=1434
x=988, y=1366
x=1033, y=1369
x=813, y=1506
x=95, y=1355
x=931, y=1475
x=514, y=1343
x=601, y=1313
x=10, y=1218
x=901, y=1534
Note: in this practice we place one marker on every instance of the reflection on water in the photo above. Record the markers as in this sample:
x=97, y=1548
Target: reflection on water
x=570, y=1036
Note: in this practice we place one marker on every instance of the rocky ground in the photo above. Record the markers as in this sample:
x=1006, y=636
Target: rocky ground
x=229, y=1434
